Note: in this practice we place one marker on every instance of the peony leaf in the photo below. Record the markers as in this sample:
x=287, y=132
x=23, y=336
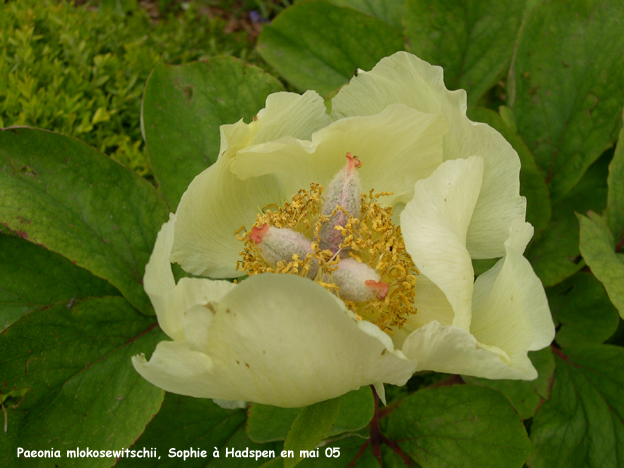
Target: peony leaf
x=556, y=256
x=186, y=424
x=184, y=106
x=532, y=183
x=583, y=310
x=60, y=193
x=526, y=396
x=270, y=423
x=311, y=426
x=388, y=11
x=477, y=425
x=615, y=197
x=33, y=277
x=598, y=250
x=316, y=45
x=581, y=425
x=473, y=40
x=74, y=359
x=565, y=86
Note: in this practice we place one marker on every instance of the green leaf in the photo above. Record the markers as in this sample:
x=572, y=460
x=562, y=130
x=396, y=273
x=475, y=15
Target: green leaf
x=33, y=277
x=556, y=255
x=581, y=425
x=346, y=452
x=532, y=183
x=186, y=424
x=316, y=45
x=270, y=423
x=566, y=86
x=526, y=396
x=472, y=39
x=64, y=195
x=583, y=310
x=466, y=424
x=388, y=11
x=598, y=250
x=184, y=106
x=82, y=389
x=615, y=196
x=311, y=427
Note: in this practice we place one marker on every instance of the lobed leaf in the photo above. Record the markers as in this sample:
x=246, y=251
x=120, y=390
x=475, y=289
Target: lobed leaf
x=581, y=425
x=565, y=86
x=598, y=250
x=474, y=424
x=556, y=255
x=615, y=196
x=311, y=426
x=62, y=194
x=473, y=40
x=33, y=277
x=82, y=391
x=270, y=423
x=317, y=45
x=583, y=310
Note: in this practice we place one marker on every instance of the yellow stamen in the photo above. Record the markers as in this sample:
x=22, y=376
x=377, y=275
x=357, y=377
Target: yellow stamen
x=372, y=239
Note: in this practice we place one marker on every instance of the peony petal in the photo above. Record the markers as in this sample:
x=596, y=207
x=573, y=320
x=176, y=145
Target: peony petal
x=214, y=207
x=217, y=203
x=171, y=301
x=290, y=115
x=397, y=147
x=455, y=351
x=510, y=309
x=279, y=340
x=404, y=78
x=434, y=225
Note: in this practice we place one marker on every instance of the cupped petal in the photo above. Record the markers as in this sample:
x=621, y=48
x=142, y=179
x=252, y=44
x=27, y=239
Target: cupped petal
x=284, y=115
x=290, y=115
x=171, y=300
x=510, y=308
x=434, y=225
x=455, y=351
x=279, y=340
x=214, y=207
x=217, y=203
x=404, y=78
x=397, y=147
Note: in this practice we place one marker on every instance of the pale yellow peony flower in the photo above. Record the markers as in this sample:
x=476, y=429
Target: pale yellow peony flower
x=330, y=325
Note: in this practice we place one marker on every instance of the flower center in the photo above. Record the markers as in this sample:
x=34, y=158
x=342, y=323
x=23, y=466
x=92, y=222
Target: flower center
x=345, y=241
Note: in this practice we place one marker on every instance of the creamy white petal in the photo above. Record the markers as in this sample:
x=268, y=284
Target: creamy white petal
x=434, y=225
x=397, y=147
x=284, y=115
x=431, y=305
x=214, y=207
x=291, y=115
x=455, y=351
x=276, y=339
x=217, y=203
x=510, y=309
x=404, y=78
x=171, y=301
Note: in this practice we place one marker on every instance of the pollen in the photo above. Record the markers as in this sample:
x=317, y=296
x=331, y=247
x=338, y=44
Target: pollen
x=368, y=266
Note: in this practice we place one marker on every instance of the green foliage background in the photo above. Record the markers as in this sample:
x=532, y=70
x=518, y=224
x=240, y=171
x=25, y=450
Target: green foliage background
x=78, y=228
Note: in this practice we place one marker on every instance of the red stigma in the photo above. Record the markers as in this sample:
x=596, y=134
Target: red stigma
x=257, y=233
x=354, y=161
x=379, y=286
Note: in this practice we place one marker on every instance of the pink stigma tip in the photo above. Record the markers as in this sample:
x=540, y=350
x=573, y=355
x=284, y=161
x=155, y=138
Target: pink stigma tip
x=379, y=286
x=354, y=161
x=257, y=234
